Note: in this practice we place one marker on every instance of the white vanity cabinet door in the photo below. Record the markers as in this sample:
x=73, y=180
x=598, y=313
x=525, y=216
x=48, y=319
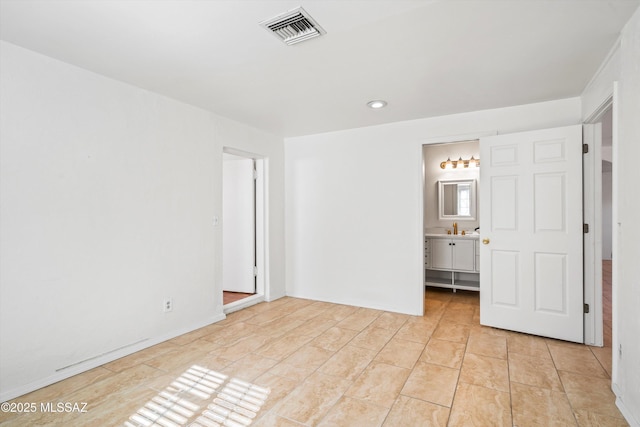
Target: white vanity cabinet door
x=463, y=254
x=450, y=262
x=441, y=254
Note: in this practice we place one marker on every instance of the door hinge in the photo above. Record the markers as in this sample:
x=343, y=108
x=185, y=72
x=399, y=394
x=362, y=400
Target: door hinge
x=585, y=228
x=585, y=148
x=586, y=308
x=255, y=174
x=255, y=271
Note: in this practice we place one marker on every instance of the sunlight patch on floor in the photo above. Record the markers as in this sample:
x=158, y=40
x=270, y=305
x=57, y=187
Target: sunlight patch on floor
x=213, y=397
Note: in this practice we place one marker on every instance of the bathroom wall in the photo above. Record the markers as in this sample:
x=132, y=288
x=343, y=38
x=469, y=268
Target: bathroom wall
x=432, y=156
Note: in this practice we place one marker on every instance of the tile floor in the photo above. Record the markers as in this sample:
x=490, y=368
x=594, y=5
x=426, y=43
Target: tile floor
x=336, y=365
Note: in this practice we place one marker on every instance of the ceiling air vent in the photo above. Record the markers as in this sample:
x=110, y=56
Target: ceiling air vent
x=294, y=26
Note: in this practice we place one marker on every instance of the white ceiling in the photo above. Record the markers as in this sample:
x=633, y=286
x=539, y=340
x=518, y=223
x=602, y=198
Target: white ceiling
x=426, y=58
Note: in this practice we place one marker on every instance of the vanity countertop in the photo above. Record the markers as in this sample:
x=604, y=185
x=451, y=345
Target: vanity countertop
x=470, y=236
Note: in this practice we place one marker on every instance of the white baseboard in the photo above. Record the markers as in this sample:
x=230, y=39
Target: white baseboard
x=628, y=416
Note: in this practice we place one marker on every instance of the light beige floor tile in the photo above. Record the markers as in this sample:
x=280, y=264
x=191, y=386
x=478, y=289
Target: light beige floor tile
x=232, y=333
x=113, y=385
x=240, y=349
x=288, y=345
x=476, y=316
x=359, y=320
x=372, y=338
x=487, y=345
x=478, y=329
x=307, y=313
x=309, y=357
x=452, y=332
x=196, y=335
x=314, y=327
x=432, y=383
x=283, y=347
x=339, y=312
x=311, y=401
x=350, y=412
x=485, y=371
x=274, y=420
x=214, y=362
x=290, y=305
x=534, y=406
x=278, y=327
x=410, y=412
x=438, y=294
x=575, y=358
x=576, y=383
x=444, y=353
x=348, y=362
x=460, y=316
x=590, y=394
x=604, y=356
x=63, y=388
x=280, y=387
x=534, y=371
x=249, y=367
x=201, y=345
x=528, y=345
x=140, y=356
x=112, y=411
x=266, y=316
x=417, y=331
x=400, y=353
x=480, y=406
x=292, y=372
x=380, y=384
x=391, y=321
x=237, y=317
x=334, y=338
x=595, y=404
x=434, y=309
x=591, y=419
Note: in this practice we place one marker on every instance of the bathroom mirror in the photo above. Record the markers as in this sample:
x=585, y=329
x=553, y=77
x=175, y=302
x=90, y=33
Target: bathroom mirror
x=457, y=200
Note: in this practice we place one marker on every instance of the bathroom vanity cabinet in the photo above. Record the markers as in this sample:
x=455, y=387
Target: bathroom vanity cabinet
x=452, y=261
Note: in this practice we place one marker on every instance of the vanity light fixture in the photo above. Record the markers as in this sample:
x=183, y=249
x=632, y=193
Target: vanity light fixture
x=377, y=104
x=472, y=162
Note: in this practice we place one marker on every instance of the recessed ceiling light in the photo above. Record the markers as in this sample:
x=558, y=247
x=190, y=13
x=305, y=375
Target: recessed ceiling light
x=377, y=104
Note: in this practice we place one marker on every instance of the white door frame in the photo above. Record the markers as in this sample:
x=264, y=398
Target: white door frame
x=592, y=188
x=261, y=233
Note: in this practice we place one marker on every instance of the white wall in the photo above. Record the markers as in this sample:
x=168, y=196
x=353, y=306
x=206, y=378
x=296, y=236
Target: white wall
x=354, y=207
x=108, y=194
x=626, y=253
x=622, y=66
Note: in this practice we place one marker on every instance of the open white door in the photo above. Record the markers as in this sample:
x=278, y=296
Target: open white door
x=531, y=232
x=238, y=224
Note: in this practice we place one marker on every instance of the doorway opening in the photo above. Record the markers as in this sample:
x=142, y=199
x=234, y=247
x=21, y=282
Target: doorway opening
x=450, y=215
x=243, y=232
x=598, y=213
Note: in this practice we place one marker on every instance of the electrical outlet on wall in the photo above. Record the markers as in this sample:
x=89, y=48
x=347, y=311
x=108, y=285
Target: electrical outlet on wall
x=167, y=305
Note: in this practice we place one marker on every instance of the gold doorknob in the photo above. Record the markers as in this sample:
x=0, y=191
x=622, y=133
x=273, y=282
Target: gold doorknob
x=485, y=241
